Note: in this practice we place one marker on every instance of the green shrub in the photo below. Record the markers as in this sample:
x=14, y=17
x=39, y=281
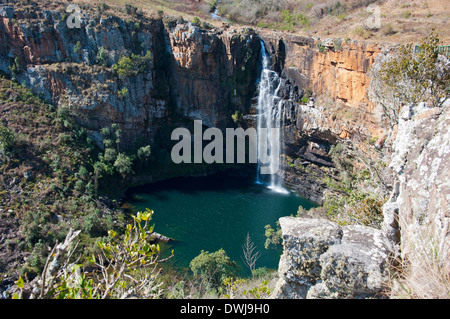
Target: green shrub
x=411, y=75
x=125, y=266
x=7, y=139
x=79, y=185
x=83, y=172
x=130, y=9
x=388, y=29
x=196, y=21
x=273, y=237
x=212, y=268
x=122, y=93
x=361, y=32
x=406, y=14
x=77, y=48
x=322, y=48
x=260, y=272
x=15, y=67
x=65, y=139
x=262, y=25
x=212, y=5
x=337, y=43
x=94, y=225
x=102, y=56
x=133, y=65
x=110, y=154
x=206, y=25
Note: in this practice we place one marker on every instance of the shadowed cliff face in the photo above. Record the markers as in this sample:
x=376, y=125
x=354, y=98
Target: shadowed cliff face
x=194, y=74
x=212, y=74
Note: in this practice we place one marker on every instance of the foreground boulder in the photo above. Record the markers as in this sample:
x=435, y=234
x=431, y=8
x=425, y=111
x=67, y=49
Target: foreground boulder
x=324, y=260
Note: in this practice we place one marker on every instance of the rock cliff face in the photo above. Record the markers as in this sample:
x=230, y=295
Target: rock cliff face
x=194, y=73
x=336, y=66
x=416, y=218
x=334, y=75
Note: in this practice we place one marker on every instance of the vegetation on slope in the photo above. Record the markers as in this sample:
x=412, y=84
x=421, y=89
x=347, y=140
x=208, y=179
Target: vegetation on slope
x=53, y=178
x=400, y=21
x=45, y=179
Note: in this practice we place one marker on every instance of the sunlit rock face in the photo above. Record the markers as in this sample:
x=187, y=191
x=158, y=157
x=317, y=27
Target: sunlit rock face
x=417, y=214
x=324, y=260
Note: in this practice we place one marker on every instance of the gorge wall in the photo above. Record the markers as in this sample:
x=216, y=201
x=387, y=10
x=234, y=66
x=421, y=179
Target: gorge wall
x=208, y=75
x=193, y=74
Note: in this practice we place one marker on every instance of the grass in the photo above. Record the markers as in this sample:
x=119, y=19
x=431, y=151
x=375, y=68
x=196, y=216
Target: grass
x=318, y=18
x=422, y=273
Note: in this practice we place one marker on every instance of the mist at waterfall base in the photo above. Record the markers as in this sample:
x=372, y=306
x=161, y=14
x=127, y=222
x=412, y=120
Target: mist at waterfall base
x=214, y=212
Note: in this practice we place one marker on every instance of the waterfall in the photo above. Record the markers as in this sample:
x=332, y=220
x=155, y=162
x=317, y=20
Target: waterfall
x=269, y=120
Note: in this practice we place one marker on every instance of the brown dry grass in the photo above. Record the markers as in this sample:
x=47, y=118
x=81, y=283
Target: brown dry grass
x=401, y=20
x=422, y=273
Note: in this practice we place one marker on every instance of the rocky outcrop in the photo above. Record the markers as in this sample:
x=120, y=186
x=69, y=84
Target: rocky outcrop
x=416, y=218
x=324, y=260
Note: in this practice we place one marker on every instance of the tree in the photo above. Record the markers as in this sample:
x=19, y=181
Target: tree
x=102, y=56
x=133, y=65
x=110, y=154
x=273, y=237
x=144, y=154
x=250, y=256
x=213, y=267
x=123, y=164
x=412, y=75
x=77, y=48
x=111, y=136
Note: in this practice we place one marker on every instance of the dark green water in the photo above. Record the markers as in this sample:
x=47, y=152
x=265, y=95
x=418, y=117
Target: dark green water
x=215, y=212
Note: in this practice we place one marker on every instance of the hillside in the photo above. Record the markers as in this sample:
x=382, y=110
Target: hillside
x=47, y=181
x=399, y=20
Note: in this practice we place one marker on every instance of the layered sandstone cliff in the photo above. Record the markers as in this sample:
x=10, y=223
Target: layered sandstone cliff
x=194, y=73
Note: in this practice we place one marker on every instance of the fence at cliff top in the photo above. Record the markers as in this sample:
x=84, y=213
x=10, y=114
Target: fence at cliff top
x=442, y=49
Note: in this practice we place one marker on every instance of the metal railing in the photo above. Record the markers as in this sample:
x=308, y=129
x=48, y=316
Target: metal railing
x=442, y=49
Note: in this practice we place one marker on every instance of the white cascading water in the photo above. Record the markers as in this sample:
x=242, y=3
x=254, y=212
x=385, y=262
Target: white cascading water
x=270, y=115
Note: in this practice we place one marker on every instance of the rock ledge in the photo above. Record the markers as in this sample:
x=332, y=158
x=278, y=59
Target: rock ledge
x=324, y=260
